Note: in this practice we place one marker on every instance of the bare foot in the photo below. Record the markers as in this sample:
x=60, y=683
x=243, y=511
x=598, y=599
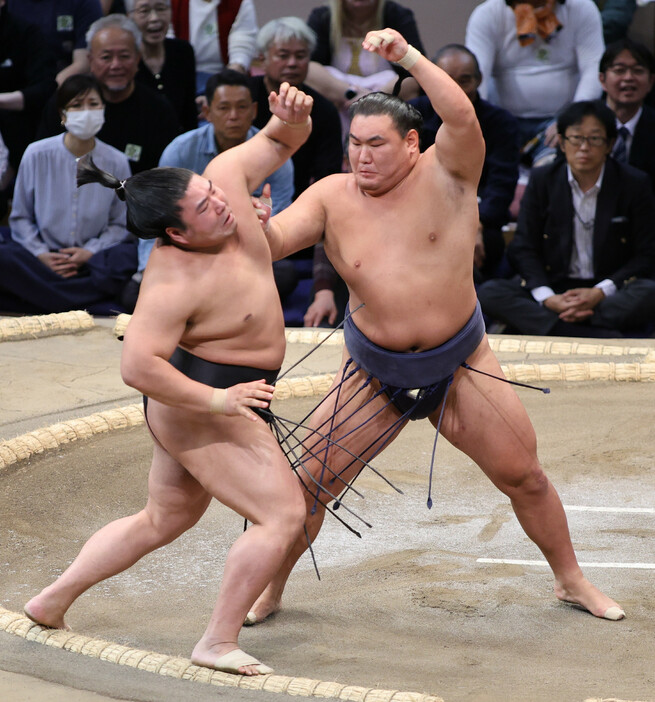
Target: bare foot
x=263, y=608
x=42, y=612
x=228, y=657
x=589, y=597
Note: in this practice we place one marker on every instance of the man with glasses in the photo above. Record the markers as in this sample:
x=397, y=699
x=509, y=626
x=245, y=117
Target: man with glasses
x=584, y=247
x=167, y=65
x=627, y=74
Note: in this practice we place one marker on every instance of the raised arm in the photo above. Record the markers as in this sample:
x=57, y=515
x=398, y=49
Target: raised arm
x=459, y=144
x=281, y=137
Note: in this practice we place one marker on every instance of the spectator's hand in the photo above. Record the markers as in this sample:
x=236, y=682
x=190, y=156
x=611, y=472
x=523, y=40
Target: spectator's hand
x=556, y=303
x=59, y=263
x=77, y=255
x=240, y=398
x=290, y=104
x=263, y=206
x=388, y=43
x=322, y=307
x=580, y=303
x=550, y=135
x=479, y=252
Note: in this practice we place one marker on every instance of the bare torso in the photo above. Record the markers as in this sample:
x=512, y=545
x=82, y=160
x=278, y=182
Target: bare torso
x=236, y=317
x=407, y=255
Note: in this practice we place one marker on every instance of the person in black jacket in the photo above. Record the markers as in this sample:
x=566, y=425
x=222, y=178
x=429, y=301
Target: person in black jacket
x=501, y=161
x=584, y=247
x=627, y=74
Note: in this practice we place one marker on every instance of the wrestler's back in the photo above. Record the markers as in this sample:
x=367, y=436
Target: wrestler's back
x=407, y=255
x=237, y=316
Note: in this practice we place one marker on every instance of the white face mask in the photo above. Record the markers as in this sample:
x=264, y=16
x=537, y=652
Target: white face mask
x=84, y=124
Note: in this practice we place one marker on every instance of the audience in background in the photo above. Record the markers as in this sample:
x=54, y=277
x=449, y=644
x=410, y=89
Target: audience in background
x=584, y=247
x=27, y=80
x=536, y=57
x=501, y=163
x=69, y=248
x=627, y=74
x=64, y=24
x=222, y=34
x=340, y=70
x=167, y=65
x=524, y=62
x=138, y=121
x=616, y=16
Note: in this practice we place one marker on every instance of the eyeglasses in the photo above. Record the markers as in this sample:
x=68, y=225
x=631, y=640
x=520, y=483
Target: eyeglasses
x=144, y=11
x=577, y=140
x=621, y=69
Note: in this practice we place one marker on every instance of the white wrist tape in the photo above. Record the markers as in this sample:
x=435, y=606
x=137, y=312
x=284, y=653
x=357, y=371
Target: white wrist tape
x=217, y=403
x=410, y=58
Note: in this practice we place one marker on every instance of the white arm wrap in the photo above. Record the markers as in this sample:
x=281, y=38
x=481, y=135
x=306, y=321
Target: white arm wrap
x=217, y=403
x=410, y=58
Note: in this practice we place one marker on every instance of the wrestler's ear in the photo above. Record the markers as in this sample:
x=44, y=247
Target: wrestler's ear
x=412, y=139
x=177, y=235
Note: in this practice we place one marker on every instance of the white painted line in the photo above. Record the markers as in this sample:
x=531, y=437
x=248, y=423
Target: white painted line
x=509, y=561
x=623, y=510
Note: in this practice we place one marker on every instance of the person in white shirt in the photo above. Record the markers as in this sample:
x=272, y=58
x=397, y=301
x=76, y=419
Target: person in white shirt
x=536, y=64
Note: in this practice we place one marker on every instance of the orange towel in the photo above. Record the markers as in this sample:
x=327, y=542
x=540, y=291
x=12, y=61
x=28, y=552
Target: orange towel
x=531, y=21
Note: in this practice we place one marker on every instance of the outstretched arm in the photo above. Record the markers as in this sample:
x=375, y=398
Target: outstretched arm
x=459, y=144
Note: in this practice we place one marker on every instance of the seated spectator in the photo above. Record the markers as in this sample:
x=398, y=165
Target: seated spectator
x=627, y=74
x=229, y=113
x=584, y=247
x=138, y=121
x=27, y=80
x=64, y=24
x=537, y=56
x=222, y=34
x=340, y=69
x=616, y=16
x=69, y=248
x=285, y=45
x=501, y=163
x=167, y=65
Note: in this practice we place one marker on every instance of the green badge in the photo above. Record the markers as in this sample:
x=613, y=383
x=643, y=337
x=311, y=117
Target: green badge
x=133, y=152
x=65, y=23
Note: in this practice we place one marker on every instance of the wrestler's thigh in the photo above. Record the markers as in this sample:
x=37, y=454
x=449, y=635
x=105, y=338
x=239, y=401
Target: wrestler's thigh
x=485, y=419
x=176, y=500
x=354, y=415
x=237, y=461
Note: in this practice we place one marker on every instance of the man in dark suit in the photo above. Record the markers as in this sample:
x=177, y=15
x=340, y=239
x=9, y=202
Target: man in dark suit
x=627, y=74
x=584, y=247
x=501, y=162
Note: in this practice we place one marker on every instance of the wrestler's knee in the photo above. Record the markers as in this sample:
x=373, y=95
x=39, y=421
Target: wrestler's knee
x=530, y=481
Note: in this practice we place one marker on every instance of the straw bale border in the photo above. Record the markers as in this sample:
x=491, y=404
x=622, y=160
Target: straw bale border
x=183, y=669
x=33, y=327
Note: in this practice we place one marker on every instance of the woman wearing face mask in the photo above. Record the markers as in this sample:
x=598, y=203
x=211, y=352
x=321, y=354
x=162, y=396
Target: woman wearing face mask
x=63, y=251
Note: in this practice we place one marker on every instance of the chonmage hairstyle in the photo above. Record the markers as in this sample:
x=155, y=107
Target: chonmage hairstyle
x=152, y=197
x=403, y=115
